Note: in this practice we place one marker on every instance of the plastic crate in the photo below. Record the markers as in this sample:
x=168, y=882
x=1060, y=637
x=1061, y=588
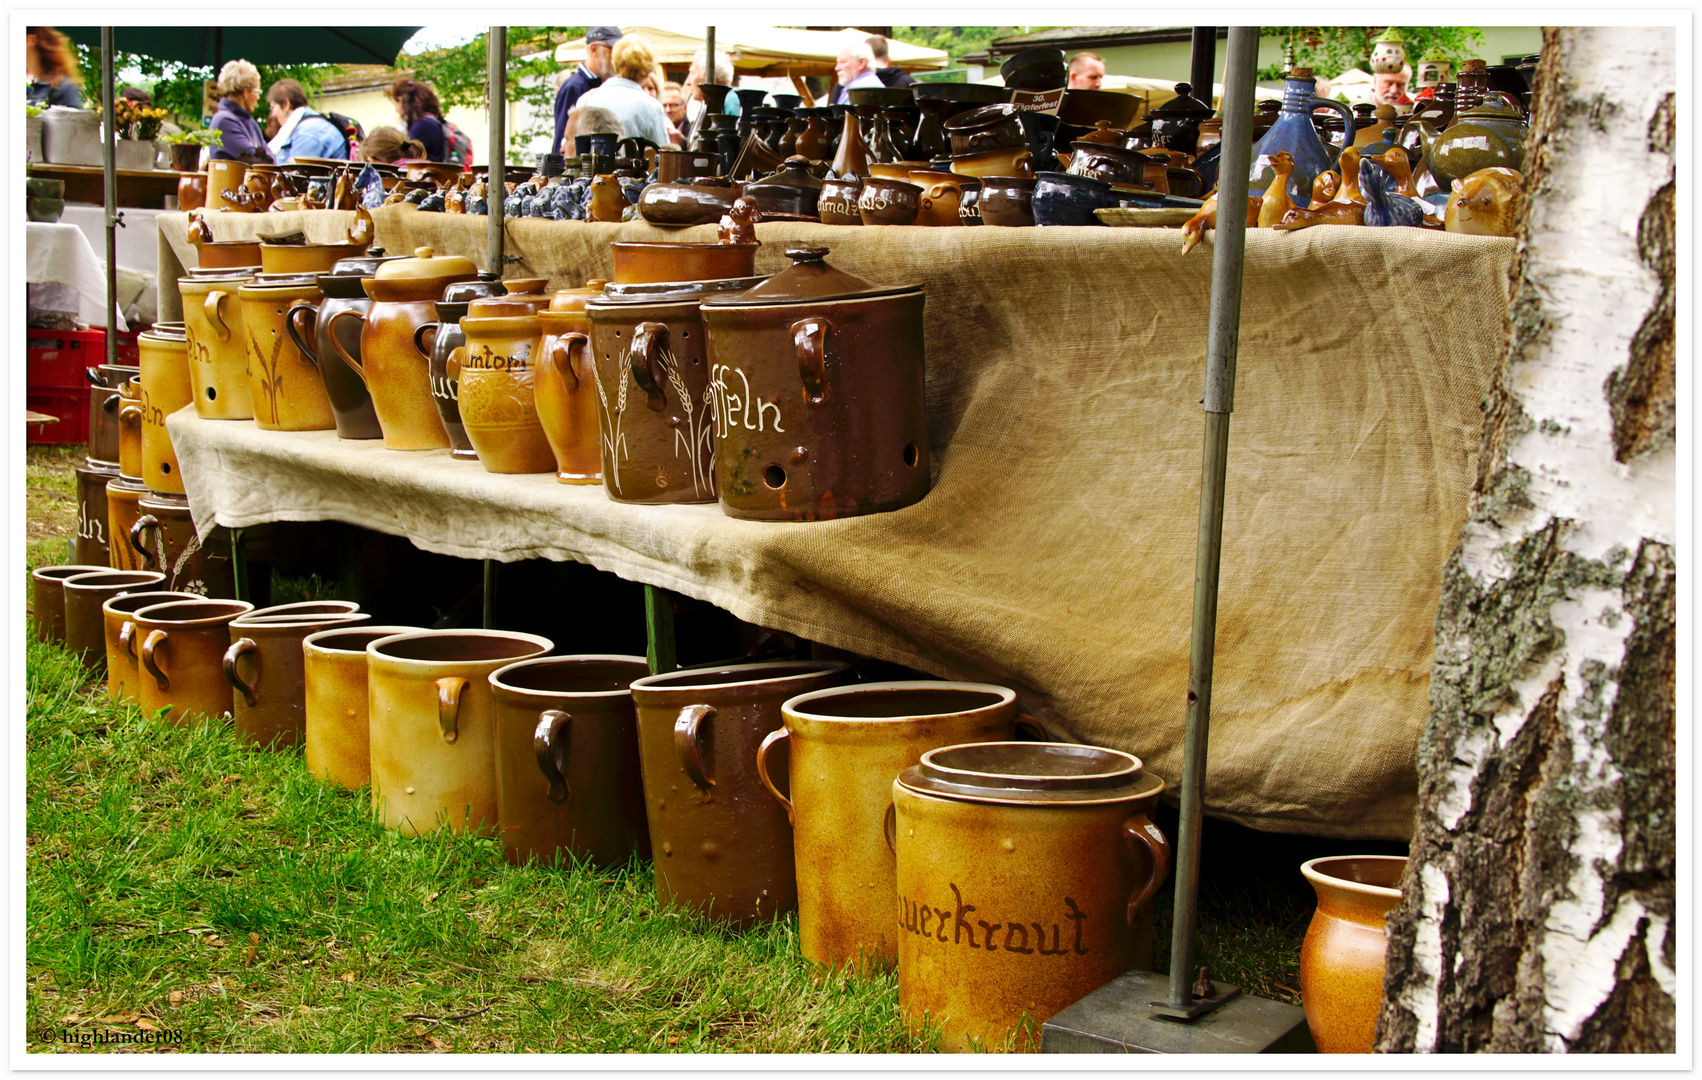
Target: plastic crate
x=70, y=405
x=57, y=359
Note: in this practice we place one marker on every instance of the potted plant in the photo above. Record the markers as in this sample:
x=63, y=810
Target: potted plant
x=186, y=147
x=134, y=129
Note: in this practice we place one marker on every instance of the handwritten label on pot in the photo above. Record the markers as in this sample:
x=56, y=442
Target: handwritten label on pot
x=954, y=926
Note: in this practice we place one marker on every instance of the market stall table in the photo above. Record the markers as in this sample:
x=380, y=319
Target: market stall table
x=1055, y=554
x=140, y=188
x=60, y=254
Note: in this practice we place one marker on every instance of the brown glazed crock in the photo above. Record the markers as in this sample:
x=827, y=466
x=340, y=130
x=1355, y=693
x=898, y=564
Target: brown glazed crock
x=264, y=667
x=675, y=165
x=791, y=189
x=1342, y=959
x=305, y=258
x=309, y=326
x=942, y=194
x=228, y=255
x=1025, y=878
x=568, y=784
x=990, y=127
x=123, y=509
x=218, y=348
x=446, y=344
x=93, y=542
x=817, y=377
x=565, y=392
x=844, y=745
x=1007, y=200
x=85, y=633
x=837, y=204
x=223, y=175
x=164, y=355
x=284, y=385
x=130, y=429
x=182, y=657
x=433, y=735
x=495, y=380
x=886, y=201
x=1009, y=161
x=104, y=381
x=334, y=701
x=640, y=261
x=47, y=598
x=722, y=846
x=657, y=432
x=165, y=537
x=123, y=664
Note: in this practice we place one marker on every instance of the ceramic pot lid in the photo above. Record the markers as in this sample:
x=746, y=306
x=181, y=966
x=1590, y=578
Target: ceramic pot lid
x=161, y=331
x=425, y=263
x=511, y=306
x=362, y=265
x=1184, y=106
x=285, y=281
x=573, y=300
x=984, y=116
x=810, y=280
x=463, y=292
x=1029, y=772
x=794, y=174
x=662, y=292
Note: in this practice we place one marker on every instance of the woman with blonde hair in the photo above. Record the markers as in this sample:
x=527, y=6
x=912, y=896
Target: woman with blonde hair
x=52, y=68
x=640, y=114
x=238, y=88
x=386, y=144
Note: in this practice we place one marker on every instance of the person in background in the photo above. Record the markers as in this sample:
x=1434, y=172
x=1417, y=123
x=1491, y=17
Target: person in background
x=146, y=101
x=238, y=88
x=386, y=144
x=694, y=78
x=52, y=68
x=1390, y=88
x=598, y=65
x=301, y=131
x=854, y=69
x=588, y=119
x=641, y=115
x=416, y=103
x=674, y=104
x=888, y=75
x=1087, y=71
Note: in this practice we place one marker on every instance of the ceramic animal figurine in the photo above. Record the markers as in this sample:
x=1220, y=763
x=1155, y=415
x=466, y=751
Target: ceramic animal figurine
x=1399, y=166
x=1194, y=230
x=1385, y=205
x=199, y=231
x=738, y=224
x=1276, y=202
x=1350, y=178
x=1324, y=188
x=360, y=229
x=1435, y=207
x=1486, y=203
x=1336, y=213
x=607, y=199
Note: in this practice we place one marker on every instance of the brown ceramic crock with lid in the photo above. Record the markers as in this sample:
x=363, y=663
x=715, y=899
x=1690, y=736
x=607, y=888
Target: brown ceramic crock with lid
x=495, y=379
x=309, y=326
x=1025, y=875
x=818, y=382
x=564, y=391
x=443, y=341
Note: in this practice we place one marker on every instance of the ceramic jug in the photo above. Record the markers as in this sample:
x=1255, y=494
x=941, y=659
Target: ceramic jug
x=123, y=510
x=264, y=666
x=1025, y=875
x=218, y=345
x=844, y=747
x=564, y=392
x=568, y=783
x=182, y=655
x=165, y=536
x=433, y=735
x=335, y=735
x=442, y=343
x=93, y=542
x=1342, y=958
x=721, y=845
x=284, y=385
x=309, y=327
x=495, y=379
x=130, y=429
x=123, y=664
x=1491, y=134
x=1293, y=132
x=85, y=633
x=164, y=355
x=47, y=598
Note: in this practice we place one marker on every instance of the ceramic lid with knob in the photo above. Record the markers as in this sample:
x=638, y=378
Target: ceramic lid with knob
x=667, y=292
x=809, y=280
x=1029, y=773
x=456, y=297
x=511, y=306
x=425, y=263
x=1184, y=106
x=363, y=265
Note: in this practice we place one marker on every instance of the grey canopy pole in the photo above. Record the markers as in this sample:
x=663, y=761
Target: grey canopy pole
x=111, y=176
x=1201, y=61
x=496, y=71
x=1221, y=344
x=709, y=57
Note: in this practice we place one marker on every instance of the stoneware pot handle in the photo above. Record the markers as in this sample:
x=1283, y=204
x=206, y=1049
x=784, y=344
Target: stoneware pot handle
x=449, y=691
x=337, y=342
x=1348, y=131
x=549, y=742
x=111, y=403
x=1141, y=832
x=649, y=341
x=982, y=140
x=127, y=639
x=94, y=377
x=150, y=659
x=210, y=307
x=687, y=733
x=240, y=648
x=1030, y=729
x=561, y=359
x=137, y=528
x=809, y=341
x=889, y=827
x=419, y=332
x=775, y=737
x=303, y=338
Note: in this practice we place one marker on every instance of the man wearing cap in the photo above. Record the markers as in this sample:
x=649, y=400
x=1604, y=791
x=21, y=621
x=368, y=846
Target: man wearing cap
x=598, y=65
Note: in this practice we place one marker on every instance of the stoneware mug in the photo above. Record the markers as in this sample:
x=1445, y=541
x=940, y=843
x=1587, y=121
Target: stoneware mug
x=182, y=654
x=118, y=632
x=337, y=746
x=264, y=667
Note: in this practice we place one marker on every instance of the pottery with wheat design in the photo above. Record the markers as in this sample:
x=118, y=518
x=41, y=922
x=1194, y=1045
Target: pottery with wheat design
x=218, y=345
x=285, y=386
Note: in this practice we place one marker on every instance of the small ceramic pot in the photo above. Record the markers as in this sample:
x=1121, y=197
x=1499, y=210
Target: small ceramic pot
x=165, y=537
x=443, y=343
x=182, y=654
x=305, y=258
x=84, y=594
x=433, y=736
x=218, y=349
x=1062, y=199
x=722, y=846
x=969, y=207
x=118, y=632
x=567, y=776
x=130, y=429
x=228, y=255
x=166, y=388
x=335, y=737
x=1012, y=161
x=990, y=127
x=1025, y=875
x=264, y=666
x=47, y=598
x=565, y=391
x=1107, y=161
x=1007, y=200
x=837, y=204
x=792, y=189
x=93, y=542
x=638, y=261
x=285, y=387
x=495, y=384
x=844, y=745
x=123, y=510
x=224, y=174
x=942, y=195
x=191, y=187
x=1342, y=958
x=886, y=201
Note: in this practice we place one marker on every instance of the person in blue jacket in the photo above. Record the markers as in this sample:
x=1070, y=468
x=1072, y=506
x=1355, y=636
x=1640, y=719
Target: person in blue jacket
x=239, y=91
x=301, y=131
x=599, y=64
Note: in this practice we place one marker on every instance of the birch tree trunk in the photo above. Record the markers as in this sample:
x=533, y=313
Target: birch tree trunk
x=1538, y=907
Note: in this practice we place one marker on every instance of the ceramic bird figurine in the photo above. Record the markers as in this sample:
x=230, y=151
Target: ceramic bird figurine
x=1194, y=230
x=1399, y=166
x=1276, y=202
x=607, y=199
x=1350, y=177
x=1324, y=188
x=1384, y=204
x=1335, y=213
x=1486, y=203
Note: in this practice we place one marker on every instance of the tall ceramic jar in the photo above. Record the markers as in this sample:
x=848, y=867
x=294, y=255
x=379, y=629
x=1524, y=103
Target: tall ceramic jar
x=316, y=331
x=817, y=381
x=443, y=344
x=164, y=355
x=1293, y=132
x=565, y=392
x=284, y=385
x=395, y=371
x=165, y=536
x=495, y=383
x=123, y=510
x=1025, y=878
x=656, y=426
x=93, y=542
x=1342, y=958
x=218, y=349
x=130, y=429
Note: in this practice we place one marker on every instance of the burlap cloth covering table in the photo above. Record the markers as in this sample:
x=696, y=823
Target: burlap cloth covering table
x=1055, y=554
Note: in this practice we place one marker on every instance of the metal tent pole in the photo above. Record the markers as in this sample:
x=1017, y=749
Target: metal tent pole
x=709, y=59
x=496, y=74
x=111, y=176
x=1221, y=344
x=1202, y=64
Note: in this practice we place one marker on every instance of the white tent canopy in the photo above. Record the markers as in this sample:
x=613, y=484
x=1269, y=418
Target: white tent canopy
x=1157, y=91
x=764, y=50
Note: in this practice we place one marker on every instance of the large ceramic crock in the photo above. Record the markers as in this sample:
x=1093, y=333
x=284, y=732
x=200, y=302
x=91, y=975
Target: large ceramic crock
x=1025, y=878
x=284, y=385
x=130, y=429
x=123, y=510
x=496, y=375
x=337, y=745
x=123, y=664
x=166, y=388
x=218, y=346
x=47, y=598
x=565, y=392
x=656, y=429
x=568, y=782
x=84, y=594
x=264, y=666
x=844, y=746
x=1342, y=958
x=638, y=261
x=182, y=657
x=309, y=326
x=817, y=377
x=93, y=542
x=165, y=537
x=721, y=844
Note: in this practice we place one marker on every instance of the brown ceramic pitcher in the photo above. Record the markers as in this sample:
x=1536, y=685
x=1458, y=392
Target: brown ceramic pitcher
x=497, y=370
x=164, y=354
x=264, y=666
x=84, y=594
x=334, y=695
x=565, y=396
x=182, y=655
x=47, y=598
x=123, y=665
x=846, y=745
x=567, y=777
x=722, y=845
x=1342, y=959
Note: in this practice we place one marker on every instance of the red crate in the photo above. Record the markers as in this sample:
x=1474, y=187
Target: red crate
x=57, y=358
x=70, y=405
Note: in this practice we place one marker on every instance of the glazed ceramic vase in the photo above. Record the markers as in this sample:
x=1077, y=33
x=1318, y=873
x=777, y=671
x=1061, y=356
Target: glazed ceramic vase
x=318, y=333
x=1294, y=134
x=443, y=344
x=495, y=384
x=1342, y=958
x=565, y=391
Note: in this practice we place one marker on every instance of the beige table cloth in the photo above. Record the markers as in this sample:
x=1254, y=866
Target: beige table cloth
x=1055, y=554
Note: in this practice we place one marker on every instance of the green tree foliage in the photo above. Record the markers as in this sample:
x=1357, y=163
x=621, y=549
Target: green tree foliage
x=178, y=87
x=956, y=40
x=460, y=75
x=1331, y=50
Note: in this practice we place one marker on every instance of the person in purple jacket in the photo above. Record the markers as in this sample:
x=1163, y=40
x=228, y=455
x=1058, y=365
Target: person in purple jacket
x=239, y=93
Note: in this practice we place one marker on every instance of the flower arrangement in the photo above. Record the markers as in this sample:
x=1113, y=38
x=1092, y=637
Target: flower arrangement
x=133, y=121
x=196, y=137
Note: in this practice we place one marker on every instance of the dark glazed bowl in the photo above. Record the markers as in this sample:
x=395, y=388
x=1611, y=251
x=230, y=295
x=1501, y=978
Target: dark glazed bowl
x=1063, y=199
x=886, y=201
x=1086, y=108
x=837, y=203
x=991, y=127
x=884, y=97
x=1007, y=200
x=1035, y=69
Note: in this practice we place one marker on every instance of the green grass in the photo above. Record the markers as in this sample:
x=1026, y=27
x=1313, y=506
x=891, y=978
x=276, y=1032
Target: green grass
x=50, y=495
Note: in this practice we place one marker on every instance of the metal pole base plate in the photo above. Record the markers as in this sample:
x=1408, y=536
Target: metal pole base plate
x=1222, y=994
x=1119, y=1018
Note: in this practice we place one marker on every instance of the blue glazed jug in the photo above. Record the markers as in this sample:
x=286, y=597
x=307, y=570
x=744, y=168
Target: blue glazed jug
x=1293, y=132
